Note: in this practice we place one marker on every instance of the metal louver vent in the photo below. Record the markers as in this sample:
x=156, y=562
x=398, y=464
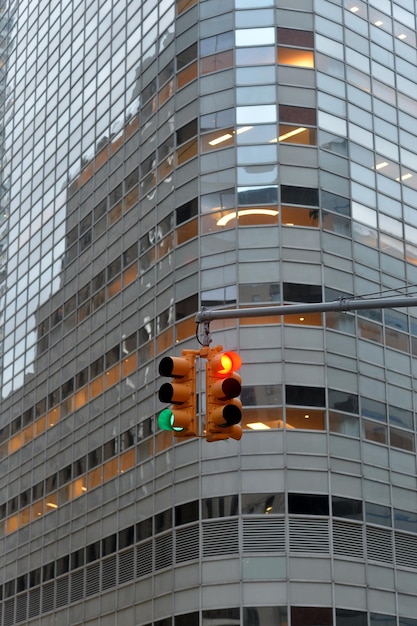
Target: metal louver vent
x=263, y=535
x=126, y=566
x=48, y=597
x=21, y=606
x=77, y=586
x=108, y=572
x=34, y=602
x=62, y=585
x=220, y=537
x=348, y=539
x=144, y=559
x=187, y=544
x=163, y=551
x=379, y=544
x=406, y=550
x=307, y=535
x=9, y=612
x=92, y=579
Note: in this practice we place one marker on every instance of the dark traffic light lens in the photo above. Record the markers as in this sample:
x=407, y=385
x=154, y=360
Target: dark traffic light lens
x=232, y=414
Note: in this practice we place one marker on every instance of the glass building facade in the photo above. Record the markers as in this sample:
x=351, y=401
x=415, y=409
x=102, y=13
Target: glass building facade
x=157, y=157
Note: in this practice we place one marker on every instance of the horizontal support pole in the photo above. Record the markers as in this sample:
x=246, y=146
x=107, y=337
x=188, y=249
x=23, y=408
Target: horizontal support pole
x=344, y=304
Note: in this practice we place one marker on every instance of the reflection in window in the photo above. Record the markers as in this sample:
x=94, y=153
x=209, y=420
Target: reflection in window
x=263, y=503
x=259, y=292
x=221, y=506
x=297, y=135
x=377, y=514
x=405, y=520
x=347, y=508
x=265, y=616
x=345, y=617
x=370, y=331
x=401, y=439
x=373, y=431
x=343, y=424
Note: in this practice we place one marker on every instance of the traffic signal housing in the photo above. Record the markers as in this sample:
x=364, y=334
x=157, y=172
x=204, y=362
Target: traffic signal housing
x=223, y=386
x=180, y=417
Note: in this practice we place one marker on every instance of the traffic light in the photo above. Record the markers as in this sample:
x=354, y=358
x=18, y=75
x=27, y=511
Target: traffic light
x=180, y=393
x=223, y=386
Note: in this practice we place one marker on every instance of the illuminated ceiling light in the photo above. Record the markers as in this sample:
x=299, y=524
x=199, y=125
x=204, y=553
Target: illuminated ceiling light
x=291, y=133
x=306, y=417
x=83, y=488
x=379, y=166
x=244, y=129
x=225, y=137
x=258, y=426
x=231, y=216
x=354, y=9
x=268, y=509
x=52, y=505
x=404, y=177
x=402, y=36
x=302, y=319
x=378, y=23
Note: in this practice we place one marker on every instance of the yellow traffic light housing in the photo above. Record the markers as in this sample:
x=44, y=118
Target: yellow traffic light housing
x=223, y=386
x=180, y=393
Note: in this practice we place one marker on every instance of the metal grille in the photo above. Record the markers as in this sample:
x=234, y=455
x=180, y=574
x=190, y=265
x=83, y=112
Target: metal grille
x=34, y=602
x=77, y=586
x=308, y=535
x=187, y=544
x=263, y=535
x=406, y=550
x=21, y=608
x=48, y=592
x=126, y=566
x=348, y=539
x=93, y=579
x=9, y=612
x=163, y=551
x=220, y=538
x=379, y=544
x=62, y=589
x=108, y=572
x=144, y=559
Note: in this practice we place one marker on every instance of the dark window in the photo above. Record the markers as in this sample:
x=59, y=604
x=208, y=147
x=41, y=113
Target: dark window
x=144, y=529
x=48, y=571
x=301, y=396
x=186, y=307
x=376, y=619
x=65, y=475
x=62, y=565
x=263, y=503
x=335, y=294
x=92, y=552
x=163, y=521
x=97, y=367
x=258, y=195
x=112, y=356
x=186, y=56
x=311, y=616
x=80, y=466
x=297, y=115
x=81, y=378
x=189, y=619
x=9, y=588
x=35, y=577
x=185, y=513
x=95, y=457
x=67, y=388
x=350, y=618
x=126, y=537
x=77, y=558
x=308, y=504
x=265, y=616
x=21, y=583
x=110, y=449
x=218, y=616
x=40, y=408
x=293, y=292
x=221, y=506
x=332, y=202
x=377, y=514
x=38, y=491
x=292, y=37
x=344, y=507
x=305, y=196
x=109, y=545
x=186, y=132
x=343, y=401
x=164, y=622
x=187, y=211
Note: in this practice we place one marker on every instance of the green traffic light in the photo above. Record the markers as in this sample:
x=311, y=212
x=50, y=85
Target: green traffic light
x=166, y=420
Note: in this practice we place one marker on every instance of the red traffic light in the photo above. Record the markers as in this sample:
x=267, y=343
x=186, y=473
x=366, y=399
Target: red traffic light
x=223, y=386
